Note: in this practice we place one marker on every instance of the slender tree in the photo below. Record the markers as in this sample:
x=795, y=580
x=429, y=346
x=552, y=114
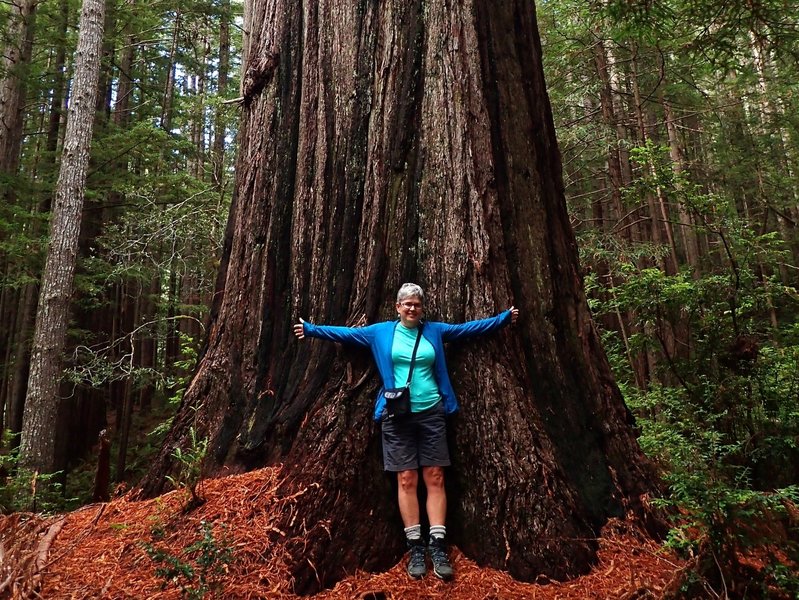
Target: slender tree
x=218, y=147
x=16, y=43
x=387, y=142
x=29, y=295
x=18, y=37
x=37, y=448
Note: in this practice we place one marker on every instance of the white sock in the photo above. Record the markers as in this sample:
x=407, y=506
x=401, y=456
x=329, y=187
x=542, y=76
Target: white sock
x=414, y=532
x=438, y=531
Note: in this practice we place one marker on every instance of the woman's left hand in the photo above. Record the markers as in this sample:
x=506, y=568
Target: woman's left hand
x=514, y=314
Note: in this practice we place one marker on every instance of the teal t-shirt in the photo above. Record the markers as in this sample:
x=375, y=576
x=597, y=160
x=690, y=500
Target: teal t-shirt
x=424, y=387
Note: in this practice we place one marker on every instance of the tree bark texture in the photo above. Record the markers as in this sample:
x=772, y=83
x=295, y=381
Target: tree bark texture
x=408, y=141
x=37, y=449
x=619, y=171
x=29, y=296
x=21, y=365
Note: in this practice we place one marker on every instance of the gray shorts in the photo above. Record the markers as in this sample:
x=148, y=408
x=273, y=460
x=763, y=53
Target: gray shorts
x=417, y=440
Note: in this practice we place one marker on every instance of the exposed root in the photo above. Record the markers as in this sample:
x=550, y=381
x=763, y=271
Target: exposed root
x=25, y=542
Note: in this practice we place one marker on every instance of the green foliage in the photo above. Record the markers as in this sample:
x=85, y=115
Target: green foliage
x=184, y=369
x=718, y=411
x=100, y=364
x=176, y=384
x=190, y=463
x=717, y=508
x=721, y=420
x=148, y=428
x=199, y=568
x=155, y=208
x=23, y=490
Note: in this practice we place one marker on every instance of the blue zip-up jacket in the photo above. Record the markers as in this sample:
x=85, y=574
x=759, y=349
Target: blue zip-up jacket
x=380, y=336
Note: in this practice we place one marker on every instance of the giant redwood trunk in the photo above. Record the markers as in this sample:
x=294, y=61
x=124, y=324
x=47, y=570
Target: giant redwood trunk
x=384, y=142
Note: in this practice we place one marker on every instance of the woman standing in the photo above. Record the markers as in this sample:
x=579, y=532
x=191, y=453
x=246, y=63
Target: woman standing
x=413, y=346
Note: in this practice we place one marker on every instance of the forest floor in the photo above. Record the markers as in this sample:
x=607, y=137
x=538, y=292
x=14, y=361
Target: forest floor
x=101, y=551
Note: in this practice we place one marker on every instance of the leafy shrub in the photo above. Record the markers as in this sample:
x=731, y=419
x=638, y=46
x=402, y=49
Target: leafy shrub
x=26, y=490
x=200, y=567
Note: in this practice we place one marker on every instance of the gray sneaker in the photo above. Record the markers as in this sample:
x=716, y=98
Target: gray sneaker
x=416, y=559
x=438, y=555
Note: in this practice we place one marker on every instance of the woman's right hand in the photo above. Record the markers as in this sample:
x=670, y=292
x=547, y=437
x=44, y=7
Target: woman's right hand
x=299, y=329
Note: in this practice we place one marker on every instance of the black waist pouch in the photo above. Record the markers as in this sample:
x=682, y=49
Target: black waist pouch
x=398, y=402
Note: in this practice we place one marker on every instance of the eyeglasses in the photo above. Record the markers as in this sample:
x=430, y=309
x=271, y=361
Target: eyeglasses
x=411, y=305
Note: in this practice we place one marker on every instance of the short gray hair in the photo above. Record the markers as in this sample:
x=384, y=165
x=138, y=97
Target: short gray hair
x=410, y=290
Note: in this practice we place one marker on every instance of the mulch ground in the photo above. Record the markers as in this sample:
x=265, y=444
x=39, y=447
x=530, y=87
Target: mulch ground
x=99, y=552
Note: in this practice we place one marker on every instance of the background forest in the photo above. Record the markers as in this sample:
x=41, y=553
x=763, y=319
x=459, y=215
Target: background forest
x=678, y=128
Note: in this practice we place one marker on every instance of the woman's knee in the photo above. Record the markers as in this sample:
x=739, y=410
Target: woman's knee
x=433, y=477
x=408, y=480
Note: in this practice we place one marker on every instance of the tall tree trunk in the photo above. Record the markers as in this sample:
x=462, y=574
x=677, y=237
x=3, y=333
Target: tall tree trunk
x=121, y=305
x=616, y=169
x=387, y=142
x=218, y=152
x=10, y=328
x=197, y=163
x=26, y=318
x=17, y=35
x=30, y=293
x=122, y=326
x=149, y=342
x=126, y=418
x=105, y=87
x=121, y=113
x=169, y=84
x=172, y=345
x=37, y=449
x=626, y=222
x=658, y=210
x=771, y=111
x=83, y=412
x=688, y=234
x=14, y=62
x=59, y=86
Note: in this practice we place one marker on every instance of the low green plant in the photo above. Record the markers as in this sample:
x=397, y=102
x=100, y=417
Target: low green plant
x=190, y=463
x=199, y=568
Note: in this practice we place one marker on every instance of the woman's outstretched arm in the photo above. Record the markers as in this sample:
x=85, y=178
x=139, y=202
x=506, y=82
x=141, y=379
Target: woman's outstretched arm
x=360, y=336
x=452, y=333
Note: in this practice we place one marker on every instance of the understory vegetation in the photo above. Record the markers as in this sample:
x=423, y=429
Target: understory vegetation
x=677, y=124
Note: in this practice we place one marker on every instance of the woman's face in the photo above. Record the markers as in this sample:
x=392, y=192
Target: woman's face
x=410, y=311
